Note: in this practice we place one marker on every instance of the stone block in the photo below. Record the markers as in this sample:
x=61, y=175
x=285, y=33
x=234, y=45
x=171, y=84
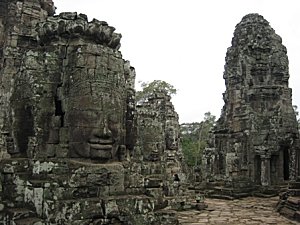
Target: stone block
x=62, y=150
x=50, y=151
x=110, y=175
x=79, y=209
x=53, y=136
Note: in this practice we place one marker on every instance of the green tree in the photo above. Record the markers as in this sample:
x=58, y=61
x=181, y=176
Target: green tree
x=296, y=110
x=194, y=138
x=189, y=141
x=297, y=115
x=148, y=88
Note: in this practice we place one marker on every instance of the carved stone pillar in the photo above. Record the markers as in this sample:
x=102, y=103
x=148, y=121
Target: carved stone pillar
x=265, y=171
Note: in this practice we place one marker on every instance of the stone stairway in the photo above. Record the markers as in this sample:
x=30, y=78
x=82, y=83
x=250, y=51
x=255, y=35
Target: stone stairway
x=289, y=202
x=228, y=190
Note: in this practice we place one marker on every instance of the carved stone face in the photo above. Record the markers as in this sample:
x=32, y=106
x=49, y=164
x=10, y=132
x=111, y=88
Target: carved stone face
x=152, y=151
x=171, y=138
x=95, y=127
x=170, y=156
x=95, y=115
x=151, y=136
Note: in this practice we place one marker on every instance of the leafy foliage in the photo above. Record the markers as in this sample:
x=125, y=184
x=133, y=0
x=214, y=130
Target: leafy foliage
x=148, y=88
x=189, y=141
x=297, y=115
x=296, y=110
x=194, y=138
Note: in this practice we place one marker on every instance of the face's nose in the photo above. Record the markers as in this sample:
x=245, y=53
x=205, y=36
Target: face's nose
x=106, y=131
x=103, y=131
x=155, y=148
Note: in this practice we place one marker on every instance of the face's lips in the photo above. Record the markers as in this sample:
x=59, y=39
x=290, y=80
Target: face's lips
x=154, y=155
x=154, y=152
x=101, y=147
x=101, y=143
x=171, y=158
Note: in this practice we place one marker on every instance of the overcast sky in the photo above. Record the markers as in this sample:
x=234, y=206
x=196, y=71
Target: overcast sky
x=184, y=42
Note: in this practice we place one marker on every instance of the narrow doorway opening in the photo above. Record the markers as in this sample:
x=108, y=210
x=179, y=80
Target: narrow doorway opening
x=59, y=111
x=286, y=160
x=257, y=169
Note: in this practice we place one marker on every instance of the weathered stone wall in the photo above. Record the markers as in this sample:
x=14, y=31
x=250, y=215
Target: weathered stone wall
x=18, y=21
x=256, y=136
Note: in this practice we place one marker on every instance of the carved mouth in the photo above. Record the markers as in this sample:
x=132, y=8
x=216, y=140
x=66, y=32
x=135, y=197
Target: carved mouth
x=101, y=144
x=171, y=159
x=101, y=147
x=154, y=156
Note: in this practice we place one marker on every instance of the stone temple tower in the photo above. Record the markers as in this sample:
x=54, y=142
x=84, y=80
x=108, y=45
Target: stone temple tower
x=256, y=137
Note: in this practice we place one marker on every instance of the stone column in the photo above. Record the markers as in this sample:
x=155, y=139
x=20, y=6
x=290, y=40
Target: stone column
x=292, y=165
x=265, y=171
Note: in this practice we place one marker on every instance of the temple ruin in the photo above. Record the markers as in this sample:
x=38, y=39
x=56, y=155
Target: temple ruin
x=256, y=139
x=76, y=148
